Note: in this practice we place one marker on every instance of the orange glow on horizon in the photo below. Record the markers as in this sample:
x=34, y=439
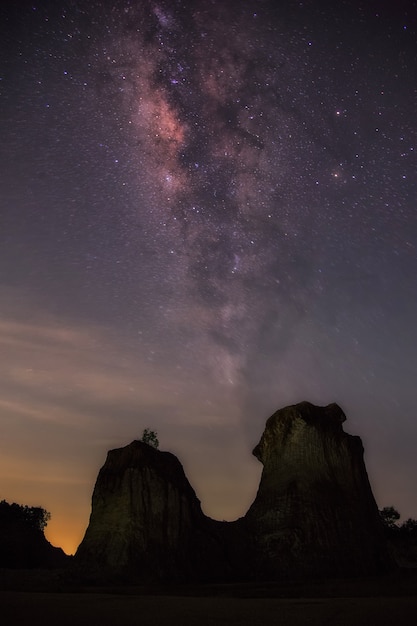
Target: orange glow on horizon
x=64, y=535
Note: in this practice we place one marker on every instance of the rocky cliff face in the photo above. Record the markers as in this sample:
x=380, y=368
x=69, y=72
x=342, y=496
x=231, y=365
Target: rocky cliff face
x=314, y=514
x=146, y=520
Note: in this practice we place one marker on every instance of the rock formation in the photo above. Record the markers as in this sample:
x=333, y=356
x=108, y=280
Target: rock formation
x=146, y=520
x=314, y=513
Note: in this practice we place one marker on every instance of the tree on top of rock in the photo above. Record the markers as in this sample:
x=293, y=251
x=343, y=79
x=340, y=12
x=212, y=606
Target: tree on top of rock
x=150, y=437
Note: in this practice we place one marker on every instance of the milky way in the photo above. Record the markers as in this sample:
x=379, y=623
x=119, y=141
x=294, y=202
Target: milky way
x=216, y=201
x=259, y=159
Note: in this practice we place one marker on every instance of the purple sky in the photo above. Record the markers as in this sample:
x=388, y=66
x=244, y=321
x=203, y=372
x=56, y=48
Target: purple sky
x=207, y=212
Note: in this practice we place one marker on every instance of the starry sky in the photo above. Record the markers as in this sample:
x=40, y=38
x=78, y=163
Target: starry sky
x=207, y=212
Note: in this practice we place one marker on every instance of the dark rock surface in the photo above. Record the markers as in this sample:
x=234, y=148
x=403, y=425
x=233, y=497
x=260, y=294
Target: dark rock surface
x=146, y=519
x=314, y=514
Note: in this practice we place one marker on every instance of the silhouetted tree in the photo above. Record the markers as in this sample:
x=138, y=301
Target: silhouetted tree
x=30, y=516
x=389, y=517
x=401, y=537
x=409, y=527
x=150, y=437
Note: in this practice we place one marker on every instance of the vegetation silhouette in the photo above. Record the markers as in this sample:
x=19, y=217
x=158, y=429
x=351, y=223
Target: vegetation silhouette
x=22, y=540
x=34, y=517
x=150, y=437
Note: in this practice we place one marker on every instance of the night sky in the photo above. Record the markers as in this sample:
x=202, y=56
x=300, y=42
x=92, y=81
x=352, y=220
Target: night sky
x=207, y=212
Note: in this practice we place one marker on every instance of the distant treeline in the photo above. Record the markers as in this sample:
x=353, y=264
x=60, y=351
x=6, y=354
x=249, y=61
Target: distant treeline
x=390, y=517
x=34, y=517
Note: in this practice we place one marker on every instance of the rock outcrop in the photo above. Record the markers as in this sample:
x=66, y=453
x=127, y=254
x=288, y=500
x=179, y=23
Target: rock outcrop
x=147, y=522
x=314, y=513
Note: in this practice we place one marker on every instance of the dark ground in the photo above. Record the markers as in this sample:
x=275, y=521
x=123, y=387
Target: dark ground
x=68, y=609
x=46, y=598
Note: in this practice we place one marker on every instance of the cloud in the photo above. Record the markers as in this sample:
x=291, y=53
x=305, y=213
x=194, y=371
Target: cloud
x=67, y=373
x=82, y=376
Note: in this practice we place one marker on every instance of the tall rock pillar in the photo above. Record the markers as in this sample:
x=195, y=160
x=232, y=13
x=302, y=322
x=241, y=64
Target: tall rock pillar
x=314, y=513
